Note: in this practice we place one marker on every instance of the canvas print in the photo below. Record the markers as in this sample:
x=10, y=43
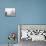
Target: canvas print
x=10, y=12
